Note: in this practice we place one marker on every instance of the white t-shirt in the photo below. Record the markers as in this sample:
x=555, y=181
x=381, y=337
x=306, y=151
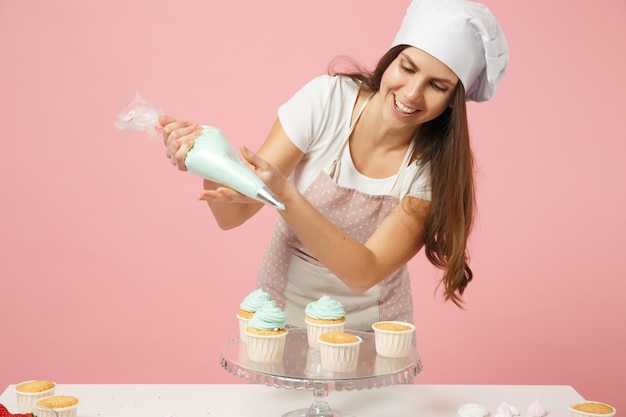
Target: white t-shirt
x=317, y=120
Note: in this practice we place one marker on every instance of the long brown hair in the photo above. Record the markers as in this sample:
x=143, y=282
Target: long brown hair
x=443, y=143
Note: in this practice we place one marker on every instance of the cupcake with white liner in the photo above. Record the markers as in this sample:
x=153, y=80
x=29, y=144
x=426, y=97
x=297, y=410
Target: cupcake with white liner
x=266, y=333
x=393, y=339
x=28, y=392
x=591, y=409
x=323, y=316
x=248, y=307
x=339, y=351
x=56, y=406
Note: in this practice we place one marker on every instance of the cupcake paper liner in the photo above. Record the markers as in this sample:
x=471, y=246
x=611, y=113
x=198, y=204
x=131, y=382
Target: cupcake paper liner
x=339, y=357
x=243, y=323
x=315, y=330
x=70, y=411
x=263, y=348
x=27, y=400
x=393, y=344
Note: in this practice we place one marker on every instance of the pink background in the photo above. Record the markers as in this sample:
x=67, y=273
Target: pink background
x=112, y=272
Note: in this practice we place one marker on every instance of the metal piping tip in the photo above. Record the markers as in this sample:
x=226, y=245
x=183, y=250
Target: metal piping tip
x=264, y=195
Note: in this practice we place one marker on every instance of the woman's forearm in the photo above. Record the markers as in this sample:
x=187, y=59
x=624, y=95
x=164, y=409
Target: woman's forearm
x=360, y=266
x=229, y=215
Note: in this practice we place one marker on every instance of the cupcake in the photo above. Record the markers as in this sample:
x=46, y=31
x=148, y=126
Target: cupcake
x=393, y=338
x=591, y=409
x=266, y=333
x=248, y=307
x=30, y=391
x=339, y=351
x=323, y=316
x=56, y=406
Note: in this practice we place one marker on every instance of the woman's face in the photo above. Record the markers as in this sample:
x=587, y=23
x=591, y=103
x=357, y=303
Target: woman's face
x=416, y=88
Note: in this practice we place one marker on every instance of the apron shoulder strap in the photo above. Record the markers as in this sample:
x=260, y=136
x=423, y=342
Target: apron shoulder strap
x=333, y=168
x=397, y=185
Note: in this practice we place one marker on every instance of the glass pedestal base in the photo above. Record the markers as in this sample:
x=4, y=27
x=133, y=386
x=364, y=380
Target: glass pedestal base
x=320, y=406
x=307, y=412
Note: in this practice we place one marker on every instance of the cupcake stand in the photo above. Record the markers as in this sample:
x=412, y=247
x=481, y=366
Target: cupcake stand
x=300, y=369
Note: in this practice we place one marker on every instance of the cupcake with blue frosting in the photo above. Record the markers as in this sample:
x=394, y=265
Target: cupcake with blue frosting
x=266, y=333
x=323, y=316
x=248, y=307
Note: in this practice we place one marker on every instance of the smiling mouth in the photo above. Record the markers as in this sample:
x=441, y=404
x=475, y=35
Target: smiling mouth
x=402, y=108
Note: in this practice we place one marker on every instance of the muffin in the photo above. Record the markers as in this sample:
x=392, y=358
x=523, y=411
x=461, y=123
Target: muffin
x=56, y=406
x=266, y=334
x=393, y=338
x=29, y=392
x=323, y=316
x=591, y=409
x=339, y=351
x=248, y=307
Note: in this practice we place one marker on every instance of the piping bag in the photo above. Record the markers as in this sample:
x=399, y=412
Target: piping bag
x=211, y=157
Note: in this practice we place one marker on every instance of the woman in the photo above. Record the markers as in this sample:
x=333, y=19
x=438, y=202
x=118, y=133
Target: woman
x=371, y=168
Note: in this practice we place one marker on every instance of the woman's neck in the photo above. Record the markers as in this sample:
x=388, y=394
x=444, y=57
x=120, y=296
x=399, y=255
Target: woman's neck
x=376, y=149
x=372, y=129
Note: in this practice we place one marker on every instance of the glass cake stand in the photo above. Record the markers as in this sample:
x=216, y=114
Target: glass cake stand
x=300, y=369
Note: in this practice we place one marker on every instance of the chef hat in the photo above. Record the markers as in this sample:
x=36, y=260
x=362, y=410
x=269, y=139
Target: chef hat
x=463, y=35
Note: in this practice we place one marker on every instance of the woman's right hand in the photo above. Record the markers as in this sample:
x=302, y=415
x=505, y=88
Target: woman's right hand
x=178, y=137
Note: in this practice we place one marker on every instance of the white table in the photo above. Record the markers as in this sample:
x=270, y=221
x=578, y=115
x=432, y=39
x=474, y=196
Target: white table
x=239, y=400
